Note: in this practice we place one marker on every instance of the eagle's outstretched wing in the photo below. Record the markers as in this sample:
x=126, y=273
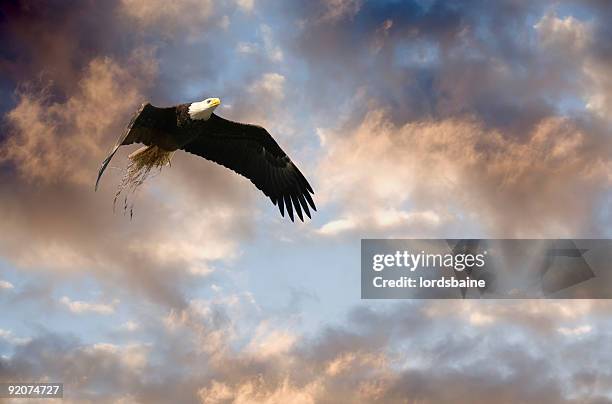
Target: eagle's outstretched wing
x=251, y=151
x=147, y=123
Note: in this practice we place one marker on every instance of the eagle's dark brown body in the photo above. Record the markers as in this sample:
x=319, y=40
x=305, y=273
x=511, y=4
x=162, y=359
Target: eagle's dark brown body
x=168, y=128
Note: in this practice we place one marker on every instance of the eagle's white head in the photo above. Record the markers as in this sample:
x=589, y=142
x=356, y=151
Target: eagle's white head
x=203, y=109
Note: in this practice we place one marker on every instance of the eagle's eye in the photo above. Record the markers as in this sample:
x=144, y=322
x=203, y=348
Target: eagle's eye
x=208, y=101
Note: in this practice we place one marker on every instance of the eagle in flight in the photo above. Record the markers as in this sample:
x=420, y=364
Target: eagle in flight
x=249, y=150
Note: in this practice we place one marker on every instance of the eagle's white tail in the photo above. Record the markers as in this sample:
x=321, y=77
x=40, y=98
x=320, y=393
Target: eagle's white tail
x=142, y=164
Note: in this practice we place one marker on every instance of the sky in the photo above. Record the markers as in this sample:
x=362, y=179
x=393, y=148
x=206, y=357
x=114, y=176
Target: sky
x=421, y=118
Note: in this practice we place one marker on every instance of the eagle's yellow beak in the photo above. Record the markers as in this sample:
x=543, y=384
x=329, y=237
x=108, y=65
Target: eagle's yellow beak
x=214, y=102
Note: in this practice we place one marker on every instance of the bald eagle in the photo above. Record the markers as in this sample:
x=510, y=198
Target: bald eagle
x=247, y=149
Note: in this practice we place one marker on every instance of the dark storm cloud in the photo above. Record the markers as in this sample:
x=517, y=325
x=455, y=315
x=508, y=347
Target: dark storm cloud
x=476, y=58
x=55, y=40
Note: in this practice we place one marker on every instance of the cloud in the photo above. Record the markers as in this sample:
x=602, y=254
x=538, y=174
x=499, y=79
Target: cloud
x=130, y=326
x=255, y=391
x=576, y=42
x=169, y=18
x=6, y=285
x=273, y=51
x=269, y=85
x=8, y=336
x=430, y=60
x=267, y=47
x=133, y=356
x=580, y=330
x=336, y=9
x=428, y=175
x=246, y=47
x=268, y=342
x=81, y=307
x=54, y=141
x=337, y=226
x=376, y=354
x=54, y=41
x=382, y=220
x=246, y=5
x=567, y=33
x=471, y=84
